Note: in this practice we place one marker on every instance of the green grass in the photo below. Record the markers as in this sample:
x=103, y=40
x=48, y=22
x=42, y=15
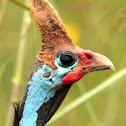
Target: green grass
x=103, y=29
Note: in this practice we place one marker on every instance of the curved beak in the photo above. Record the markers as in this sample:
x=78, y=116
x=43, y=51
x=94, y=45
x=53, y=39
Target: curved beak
x=100, y=62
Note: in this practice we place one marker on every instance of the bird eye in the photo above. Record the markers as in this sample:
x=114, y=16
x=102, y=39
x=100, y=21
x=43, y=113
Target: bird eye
x=67, y=60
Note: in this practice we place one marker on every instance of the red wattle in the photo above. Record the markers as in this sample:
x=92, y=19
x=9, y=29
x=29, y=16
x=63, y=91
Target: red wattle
x=72, y=77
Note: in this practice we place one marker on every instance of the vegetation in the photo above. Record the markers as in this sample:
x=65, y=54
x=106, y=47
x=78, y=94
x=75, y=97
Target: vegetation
x=99, y=98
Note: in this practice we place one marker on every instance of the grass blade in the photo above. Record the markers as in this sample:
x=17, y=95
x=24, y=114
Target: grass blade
x=111, y=111
x=88, y=105
x=3, y=68
x=2, y=10
x=20, y=59
x=20, y=4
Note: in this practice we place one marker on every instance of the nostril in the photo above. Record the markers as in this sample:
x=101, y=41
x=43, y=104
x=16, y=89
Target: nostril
x=88, y=56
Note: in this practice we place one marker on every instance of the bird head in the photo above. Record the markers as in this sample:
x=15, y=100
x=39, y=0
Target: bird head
x=58, y=51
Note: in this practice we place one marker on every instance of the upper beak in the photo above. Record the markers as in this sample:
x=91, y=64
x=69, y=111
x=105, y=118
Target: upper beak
x=100, y=62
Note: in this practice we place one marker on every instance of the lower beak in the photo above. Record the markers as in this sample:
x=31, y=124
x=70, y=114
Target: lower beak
x=100, y=62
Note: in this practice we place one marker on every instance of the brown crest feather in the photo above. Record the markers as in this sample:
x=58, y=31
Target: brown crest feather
x=53, y=32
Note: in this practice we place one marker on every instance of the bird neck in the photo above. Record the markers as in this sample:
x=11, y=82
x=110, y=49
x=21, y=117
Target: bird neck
x=41, y=87
x=43, y=95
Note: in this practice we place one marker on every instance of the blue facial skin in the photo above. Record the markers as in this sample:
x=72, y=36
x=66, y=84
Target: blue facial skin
x=41, y=89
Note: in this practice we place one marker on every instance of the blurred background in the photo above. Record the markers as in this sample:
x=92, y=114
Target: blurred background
x=96, y=25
